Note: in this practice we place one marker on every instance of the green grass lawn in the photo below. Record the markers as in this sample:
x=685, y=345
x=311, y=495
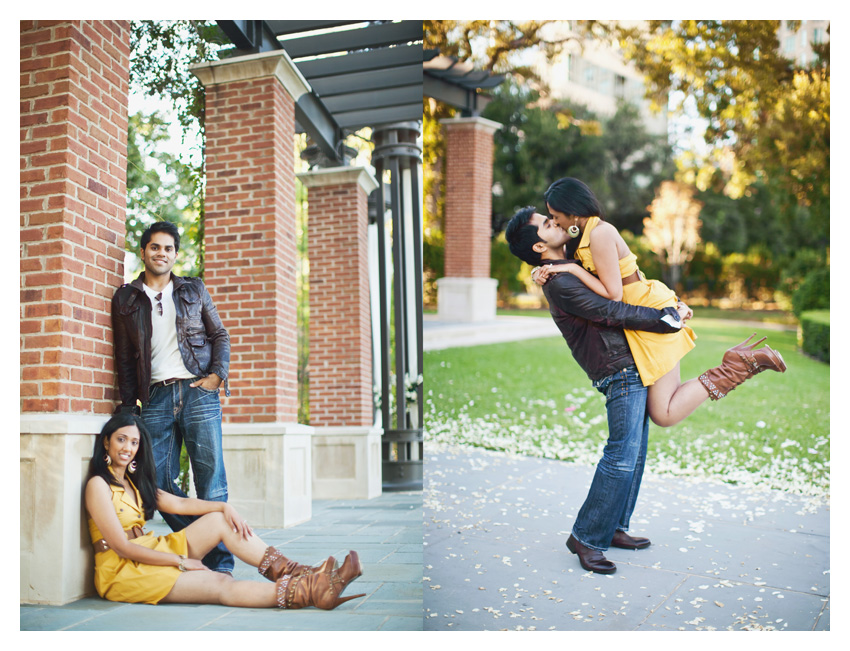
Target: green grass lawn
x=531, y=397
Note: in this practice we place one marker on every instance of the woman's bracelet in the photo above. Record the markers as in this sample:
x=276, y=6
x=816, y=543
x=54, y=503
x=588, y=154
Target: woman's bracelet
x=180, y=565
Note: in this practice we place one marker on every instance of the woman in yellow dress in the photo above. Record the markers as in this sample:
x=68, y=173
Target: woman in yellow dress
x=603, y=252
x=139, y=567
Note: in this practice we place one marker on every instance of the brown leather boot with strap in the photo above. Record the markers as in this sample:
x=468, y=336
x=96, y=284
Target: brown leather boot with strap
x=739, y=364
x=322, y=589
x=275, y=565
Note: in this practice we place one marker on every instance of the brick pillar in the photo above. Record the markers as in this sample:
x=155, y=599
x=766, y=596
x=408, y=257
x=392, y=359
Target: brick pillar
x=346, y=447
x=250, y=264
x=466, y=292
x=74, y=88
x=340, y=364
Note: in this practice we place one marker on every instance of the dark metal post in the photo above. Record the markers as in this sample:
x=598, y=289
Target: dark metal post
x=395, y=151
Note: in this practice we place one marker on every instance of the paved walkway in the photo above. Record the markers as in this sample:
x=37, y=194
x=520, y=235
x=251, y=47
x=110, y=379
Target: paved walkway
x=721, y=557
x=385, y=531
x=438, y=335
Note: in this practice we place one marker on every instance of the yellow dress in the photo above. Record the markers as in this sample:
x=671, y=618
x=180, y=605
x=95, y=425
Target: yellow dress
x=121, y=579
x=655, y=354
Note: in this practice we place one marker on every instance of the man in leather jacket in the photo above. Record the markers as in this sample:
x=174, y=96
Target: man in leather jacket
x=593, y=329
x=171, y=355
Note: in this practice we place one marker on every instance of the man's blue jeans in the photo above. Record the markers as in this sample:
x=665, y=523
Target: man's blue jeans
x=616, y=483
x=178, y=413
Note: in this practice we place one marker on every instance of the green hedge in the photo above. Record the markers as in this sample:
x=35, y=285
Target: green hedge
x=813, y=292
x=814, y=334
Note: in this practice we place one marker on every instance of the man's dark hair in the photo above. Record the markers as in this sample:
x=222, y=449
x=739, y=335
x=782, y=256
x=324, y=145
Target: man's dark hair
x=160, y=227
x=521, y=236
x=572, y=197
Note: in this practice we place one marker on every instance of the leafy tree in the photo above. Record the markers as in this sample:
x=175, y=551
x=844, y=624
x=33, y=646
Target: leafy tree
x=637, y=161
x=672, y=229
x=495, y=46
x=160, y=55
x=768, y=118
x=160, y=187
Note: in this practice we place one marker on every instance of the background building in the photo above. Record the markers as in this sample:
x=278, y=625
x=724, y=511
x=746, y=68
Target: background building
x=595, y=75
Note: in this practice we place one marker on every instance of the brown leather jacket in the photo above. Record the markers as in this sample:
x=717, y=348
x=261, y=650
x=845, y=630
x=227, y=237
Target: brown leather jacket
x=593, y=325
x=203, y=342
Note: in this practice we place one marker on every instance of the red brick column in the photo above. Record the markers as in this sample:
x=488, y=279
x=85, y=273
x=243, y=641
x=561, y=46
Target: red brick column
x=466, y=292
x=340, y=364
x=250, y=231
x=469, y=187
x=74, y=88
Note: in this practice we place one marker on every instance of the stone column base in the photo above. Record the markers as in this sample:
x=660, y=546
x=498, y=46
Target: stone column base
x=268, y=472
x=466, y=299
x=57, y=561
x=346, y=463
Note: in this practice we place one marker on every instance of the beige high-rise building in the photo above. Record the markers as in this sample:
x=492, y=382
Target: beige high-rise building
x=797, y=43
x=596, y=76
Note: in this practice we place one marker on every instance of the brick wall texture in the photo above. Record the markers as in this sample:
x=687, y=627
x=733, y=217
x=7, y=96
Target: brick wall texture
x=340, y=365
x=74, y=89
x=469, y=186
x=250, y=240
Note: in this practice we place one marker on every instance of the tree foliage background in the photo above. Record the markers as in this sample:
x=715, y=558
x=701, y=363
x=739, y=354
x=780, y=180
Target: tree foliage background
x=161, y=52
x=763, y=179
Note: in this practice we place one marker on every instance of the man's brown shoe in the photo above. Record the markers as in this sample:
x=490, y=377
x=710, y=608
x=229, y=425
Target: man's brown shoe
x=624, y=541
x=591, y=559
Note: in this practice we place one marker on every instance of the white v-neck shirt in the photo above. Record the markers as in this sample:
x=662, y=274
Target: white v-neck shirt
x=166, y=360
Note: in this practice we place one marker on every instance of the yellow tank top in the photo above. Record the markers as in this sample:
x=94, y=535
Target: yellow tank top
x=628, y=265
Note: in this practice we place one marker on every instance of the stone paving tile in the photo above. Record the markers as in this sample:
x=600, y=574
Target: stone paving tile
x=49, y=618
x=495, y=556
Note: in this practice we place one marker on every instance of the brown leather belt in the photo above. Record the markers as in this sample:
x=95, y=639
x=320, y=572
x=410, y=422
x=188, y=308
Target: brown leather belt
x=165, y=383
x=632, y=278
x=101, y=546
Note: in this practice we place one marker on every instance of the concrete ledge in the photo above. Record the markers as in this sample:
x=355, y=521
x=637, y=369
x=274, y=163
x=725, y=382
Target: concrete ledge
x=362, y=176
x=57, y=564
x=268, y=472
x=466, y=300
x=346, y=463
x=254, y=66
x=484, y=124
x=63, y=423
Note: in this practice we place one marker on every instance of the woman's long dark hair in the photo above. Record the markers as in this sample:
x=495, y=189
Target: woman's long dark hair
x=145, y=475
x=572, y=197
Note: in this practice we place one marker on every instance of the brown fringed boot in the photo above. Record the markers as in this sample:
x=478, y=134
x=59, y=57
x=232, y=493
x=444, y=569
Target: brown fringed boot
x=275, y=565
x=740, y=363
x=322, y=589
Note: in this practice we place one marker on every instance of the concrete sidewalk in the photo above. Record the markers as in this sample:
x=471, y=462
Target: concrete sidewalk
x=385, y=531
x=438, y=335
x=721, y=558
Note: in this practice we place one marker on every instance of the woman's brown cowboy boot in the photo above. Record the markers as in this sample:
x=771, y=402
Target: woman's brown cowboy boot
x=275, y=565
x=321, y=589
x=740, y=363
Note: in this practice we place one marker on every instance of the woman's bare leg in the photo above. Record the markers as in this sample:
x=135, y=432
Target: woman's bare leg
x=670, y=401
x=208, y=587
x=209, y=530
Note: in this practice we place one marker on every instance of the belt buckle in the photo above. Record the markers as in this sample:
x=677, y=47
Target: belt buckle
x=165, y=383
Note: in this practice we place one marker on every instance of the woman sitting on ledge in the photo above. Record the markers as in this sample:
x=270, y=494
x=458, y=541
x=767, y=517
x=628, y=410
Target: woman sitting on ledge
x=139, y=567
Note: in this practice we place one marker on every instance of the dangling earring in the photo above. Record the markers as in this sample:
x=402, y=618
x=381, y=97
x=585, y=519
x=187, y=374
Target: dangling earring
x=108, y=459
x=573, y=230
x=132, y=466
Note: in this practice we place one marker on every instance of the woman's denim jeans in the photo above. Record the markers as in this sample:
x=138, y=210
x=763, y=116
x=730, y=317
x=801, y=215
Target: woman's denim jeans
x=616, y=483
x=178, y=413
